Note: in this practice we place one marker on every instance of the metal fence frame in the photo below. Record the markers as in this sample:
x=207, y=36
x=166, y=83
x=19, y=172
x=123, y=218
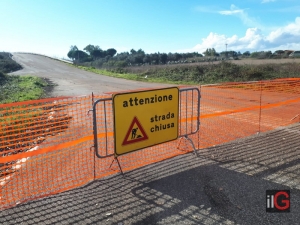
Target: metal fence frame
x=181, y=135
x=95, y=127
x=186, y=135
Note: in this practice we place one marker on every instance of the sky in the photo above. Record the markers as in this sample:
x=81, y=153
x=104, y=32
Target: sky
x=50, y=27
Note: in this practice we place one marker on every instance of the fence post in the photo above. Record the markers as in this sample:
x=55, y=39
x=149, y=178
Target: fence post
x=260, y=104
x=94, y=154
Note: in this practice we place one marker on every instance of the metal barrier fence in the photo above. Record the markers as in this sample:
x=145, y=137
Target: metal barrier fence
x=45, y=145
x=189, y=107
x=103, y=127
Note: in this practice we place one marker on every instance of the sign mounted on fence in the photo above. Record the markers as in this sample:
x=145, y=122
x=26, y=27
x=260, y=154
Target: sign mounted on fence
x=145, y=118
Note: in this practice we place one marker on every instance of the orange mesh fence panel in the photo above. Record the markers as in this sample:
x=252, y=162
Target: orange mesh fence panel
x=227, y=114
x=46, y=145
x=284, y=95
x=45, y=148
x=236, y=110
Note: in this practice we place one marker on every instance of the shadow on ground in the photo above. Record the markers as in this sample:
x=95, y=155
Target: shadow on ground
x=225, y=185
x=49, y=88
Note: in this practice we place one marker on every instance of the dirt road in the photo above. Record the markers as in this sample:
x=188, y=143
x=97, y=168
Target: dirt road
x=72, y=81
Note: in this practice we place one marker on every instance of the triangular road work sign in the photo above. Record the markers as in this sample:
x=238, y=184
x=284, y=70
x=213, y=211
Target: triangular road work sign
x=135, y=133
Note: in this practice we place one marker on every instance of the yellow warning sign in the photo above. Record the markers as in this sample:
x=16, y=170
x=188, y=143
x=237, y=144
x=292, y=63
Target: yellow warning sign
x=145, y=118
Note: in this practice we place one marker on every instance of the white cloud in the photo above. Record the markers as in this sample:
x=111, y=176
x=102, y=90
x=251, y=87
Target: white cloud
x=289, y=33
x=286, y=37
x=233, y=10
x=267, y=1
x=242, y=15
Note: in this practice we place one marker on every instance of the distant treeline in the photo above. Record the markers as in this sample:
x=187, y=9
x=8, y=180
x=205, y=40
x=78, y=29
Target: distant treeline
x=94, y=56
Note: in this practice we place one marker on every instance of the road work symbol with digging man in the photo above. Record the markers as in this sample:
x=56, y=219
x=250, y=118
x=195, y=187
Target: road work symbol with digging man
x=135, y=133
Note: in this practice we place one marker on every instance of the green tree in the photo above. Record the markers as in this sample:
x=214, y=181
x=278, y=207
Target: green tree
x=147, y=59
x=72, y=52
x=154, y=58
x=90, y=48
x=177, y=56
x=268, y=54
x=123, y=56
x=97, y=53
x=80, y=56
x=207, y=52
x=213, y=52
x=163, y=58
x=254, y=55
x=132, y=51
x=111, y=52
x=73, y=48
x=140, y=52
x=278, y=52
x=247, y=53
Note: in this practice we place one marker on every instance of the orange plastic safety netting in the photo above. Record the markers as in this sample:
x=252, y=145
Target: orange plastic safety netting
x=235, y=110
x=46, y=145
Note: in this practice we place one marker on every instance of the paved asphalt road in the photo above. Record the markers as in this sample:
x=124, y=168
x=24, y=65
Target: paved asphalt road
x=72, y=81
x=226, y=184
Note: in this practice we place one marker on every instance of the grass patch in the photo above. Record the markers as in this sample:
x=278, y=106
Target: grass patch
x=20, y=88
x=23, y=127
x=120, y=73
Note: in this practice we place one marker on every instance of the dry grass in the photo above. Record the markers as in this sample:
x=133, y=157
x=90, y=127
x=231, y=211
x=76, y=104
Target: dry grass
x=265, y=61
x=248, y=61
x=219, y=71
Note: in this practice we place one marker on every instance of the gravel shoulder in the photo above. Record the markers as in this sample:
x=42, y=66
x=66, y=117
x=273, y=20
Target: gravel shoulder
x=226, y=184
x=70, y=81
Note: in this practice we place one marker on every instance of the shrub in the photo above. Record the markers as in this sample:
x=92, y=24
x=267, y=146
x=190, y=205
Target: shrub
x=8, y=65
x=3, y=78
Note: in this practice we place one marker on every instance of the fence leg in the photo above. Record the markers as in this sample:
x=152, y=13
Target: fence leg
x=178, y=143
x=116, y=158
x=192, y=143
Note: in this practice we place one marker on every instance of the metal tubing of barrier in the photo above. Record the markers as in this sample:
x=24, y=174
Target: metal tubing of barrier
x=192, y=114
x=186, y=134
x=116, y=158
x=185, y=129
x=192, y=143
x=95, y=128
